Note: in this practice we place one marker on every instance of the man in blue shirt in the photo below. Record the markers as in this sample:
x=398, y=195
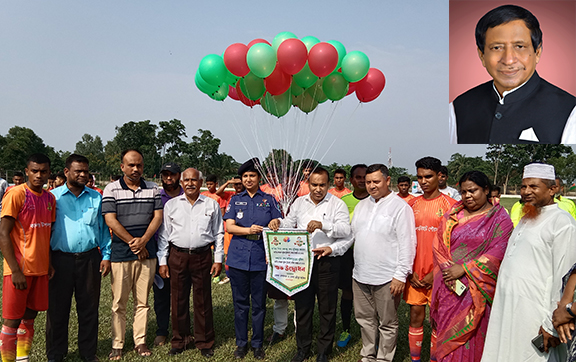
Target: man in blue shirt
x=80, y=251
x=246, y=216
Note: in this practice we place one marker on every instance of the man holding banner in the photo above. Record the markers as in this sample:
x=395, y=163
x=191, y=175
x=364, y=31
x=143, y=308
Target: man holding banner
x=326, y=218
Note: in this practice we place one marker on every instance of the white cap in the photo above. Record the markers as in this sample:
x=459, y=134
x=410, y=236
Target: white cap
x=539, y=170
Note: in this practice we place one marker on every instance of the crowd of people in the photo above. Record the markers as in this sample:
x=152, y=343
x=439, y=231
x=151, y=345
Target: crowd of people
x=499, y=287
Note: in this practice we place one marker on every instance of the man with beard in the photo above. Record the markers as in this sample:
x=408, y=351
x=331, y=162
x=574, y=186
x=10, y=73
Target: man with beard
x=170, y=174
x=132, y=208
x=540, y=251
x=80, y=246
x=357, y=179
x=192, y=225
x=325, y=217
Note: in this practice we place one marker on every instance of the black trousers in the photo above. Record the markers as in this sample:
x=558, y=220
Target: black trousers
x=77, y=274
x=324, y=286
x=162, y=306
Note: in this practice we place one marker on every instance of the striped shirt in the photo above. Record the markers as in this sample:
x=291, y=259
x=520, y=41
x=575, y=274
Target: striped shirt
x=134, y=210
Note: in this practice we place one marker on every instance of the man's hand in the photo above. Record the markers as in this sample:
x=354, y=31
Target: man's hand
x=428, y=280
x=549, y=340
x=256, y=229
x=396, y=287
x=143, y=254
x=164, y=271
x=105, y=267
x=216, y=269
x=565, y=331
x=137, y=244
x=51, y=272
x=322, y=251
x=19, y=280
x=274, y=225
x=313, y=225
x=415, y=281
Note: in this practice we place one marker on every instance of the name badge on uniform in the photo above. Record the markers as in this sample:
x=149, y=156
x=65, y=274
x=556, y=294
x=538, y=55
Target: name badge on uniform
x=240, y=214
x=240, y=203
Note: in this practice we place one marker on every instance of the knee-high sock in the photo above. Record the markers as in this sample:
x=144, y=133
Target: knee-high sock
x=346, y=313
x=433, y=346
x=8, y=340
x=415, y=336
x=25, y=336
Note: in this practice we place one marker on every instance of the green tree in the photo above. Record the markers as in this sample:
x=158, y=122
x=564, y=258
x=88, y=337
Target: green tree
x=93, y=149
x=202, y=149
x=169, y=139
x=18, y=144
x=460, y=164
x=396, y=172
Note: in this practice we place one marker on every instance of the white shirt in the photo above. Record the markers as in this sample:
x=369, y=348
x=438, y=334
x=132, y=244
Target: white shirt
x=385, y=240
x=539, y=253
x=332, y=213
x=191, y=226
x=452, y=192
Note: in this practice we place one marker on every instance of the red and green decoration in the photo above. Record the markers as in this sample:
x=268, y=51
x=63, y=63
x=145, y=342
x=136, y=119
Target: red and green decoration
x=289, y=72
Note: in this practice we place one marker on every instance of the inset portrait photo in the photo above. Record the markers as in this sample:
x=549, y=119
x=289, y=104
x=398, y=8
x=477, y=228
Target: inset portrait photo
x=512, y=72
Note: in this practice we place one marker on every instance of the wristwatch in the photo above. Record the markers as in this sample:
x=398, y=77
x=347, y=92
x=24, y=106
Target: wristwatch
x=569, y=310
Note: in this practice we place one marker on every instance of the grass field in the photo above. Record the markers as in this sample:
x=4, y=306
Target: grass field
x=224, y=326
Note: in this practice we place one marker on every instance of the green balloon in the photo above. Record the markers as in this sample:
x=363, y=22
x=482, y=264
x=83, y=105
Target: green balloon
x=261, y=59
x=252, y=86
x=203, y=86
x=277, y=105
x=213, y=70
x=355, y=66
x=305, y=78
x=335, y=86
x=310, y=41
x=305, y=102
x=316, y=91
x=231, y=78
x=296, y=89
x=340, y=48
x=221, y=94
x=278, y=39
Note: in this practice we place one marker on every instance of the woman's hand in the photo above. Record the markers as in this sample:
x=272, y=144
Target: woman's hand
x=452, y=273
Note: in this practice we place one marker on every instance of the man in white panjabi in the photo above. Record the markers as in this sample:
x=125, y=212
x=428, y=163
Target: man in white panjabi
x=540, y=251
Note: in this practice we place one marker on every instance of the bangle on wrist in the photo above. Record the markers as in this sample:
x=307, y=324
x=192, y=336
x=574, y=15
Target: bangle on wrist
x=569, y=310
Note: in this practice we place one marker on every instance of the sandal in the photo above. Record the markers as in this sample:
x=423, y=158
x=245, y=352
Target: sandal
x=115, y=354
x=142, y=350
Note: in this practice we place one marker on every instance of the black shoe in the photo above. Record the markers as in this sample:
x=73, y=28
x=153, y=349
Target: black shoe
x=91, y=359
x=275, y=337
x=259, y=353
x=240, y=352
x=207, y=352
x=300, y=356
x=175, y=351
x=322, y=358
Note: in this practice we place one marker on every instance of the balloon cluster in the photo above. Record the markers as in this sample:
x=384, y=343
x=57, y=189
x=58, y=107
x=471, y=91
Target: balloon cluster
x=289, y=72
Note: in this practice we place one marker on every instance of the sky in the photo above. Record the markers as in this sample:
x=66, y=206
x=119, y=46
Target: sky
x=73, y=67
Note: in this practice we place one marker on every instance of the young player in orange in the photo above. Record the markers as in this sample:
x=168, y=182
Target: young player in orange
x=428, y=211
x=339, y=189
x=270, y=189
x=212, y=185
x=404, y=184
x=28, y=212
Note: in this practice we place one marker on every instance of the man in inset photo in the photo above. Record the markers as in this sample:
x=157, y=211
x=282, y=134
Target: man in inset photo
x=516, y=106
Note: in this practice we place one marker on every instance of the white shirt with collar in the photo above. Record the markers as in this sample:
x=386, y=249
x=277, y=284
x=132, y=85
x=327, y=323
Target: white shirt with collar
x=191, y=226
x=384, y=240
x=334, y=216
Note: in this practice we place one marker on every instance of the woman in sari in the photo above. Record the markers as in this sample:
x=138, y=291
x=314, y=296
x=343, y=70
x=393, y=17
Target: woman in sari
x=471, y=242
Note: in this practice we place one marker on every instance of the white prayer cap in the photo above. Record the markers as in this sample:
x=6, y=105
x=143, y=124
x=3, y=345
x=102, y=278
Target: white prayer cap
x=539, y=170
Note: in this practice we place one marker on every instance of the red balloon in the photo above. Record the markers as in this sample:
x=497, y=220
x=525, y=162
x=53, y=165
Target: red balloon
x=322, y=59
x=278, y=82
x=351, y=88
x=232, y=93
x=292, y=55
x=243, y=98
x=235, y=59
x=369, y=88
x=256, y=41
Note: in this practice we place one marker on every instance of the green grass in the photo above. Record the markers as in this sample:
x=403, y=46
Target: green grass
x=224, y=326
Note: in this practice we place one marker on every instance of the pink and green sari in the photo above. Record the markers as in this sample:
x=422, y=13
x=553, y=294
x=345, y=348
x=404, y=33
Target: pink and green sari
x=478, y=243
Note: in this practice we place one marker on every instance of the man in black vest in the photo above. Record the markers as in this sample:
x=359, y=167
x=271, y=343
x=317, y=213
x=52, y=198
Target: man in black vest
x=517, y=106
